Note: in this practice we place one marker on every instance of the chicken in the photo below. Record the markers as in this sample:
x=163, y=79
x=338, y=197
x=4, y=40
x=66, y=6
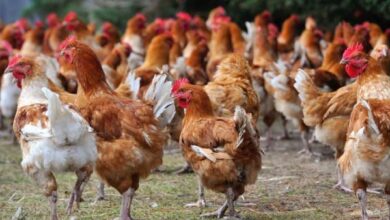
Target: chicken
x=288, y=34
x=327, y=112
x=308, y=46
x=115, y=65
x=156, y=57
x=13, y=33
x=109, y=36
x=264, y=61
x=7, y=101
x=331, y=73
x=215, y=13
x=133, y=34
x=130, y=135
x=231, y=87
x=33, y=43
x=220, y=44
x=54, y=34
x=287, y=102
x=381, y=53
x=366, y=153
x=53, y=137
x=228, y=157
x=194, y=67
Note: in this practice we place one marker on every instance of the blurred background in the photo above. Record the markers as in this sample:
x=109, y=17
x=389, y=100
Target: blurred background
x=327, y=12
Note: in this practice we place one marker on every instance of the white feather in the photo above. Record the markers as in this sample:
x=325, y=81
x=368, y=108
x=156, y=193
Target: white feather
x=8, y=96
x=200, y=152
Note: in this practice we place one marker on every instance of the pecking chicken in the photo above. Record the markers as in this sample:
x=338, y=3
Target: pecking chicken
x=53, y=137
x=130, y=135
x=223, y=151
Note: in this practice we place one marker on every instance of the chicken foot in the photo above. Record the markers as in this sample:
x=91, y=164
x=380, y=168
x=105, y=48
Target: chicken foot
x=127, y=199
x=340, y=185
x=201, y=201
x=362, y=196
x=219, y=213
x=185, y=169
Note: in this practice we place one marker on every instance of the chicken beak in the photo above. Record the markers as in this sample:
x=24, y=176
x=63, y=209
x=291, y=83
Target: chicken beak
x=343, y=61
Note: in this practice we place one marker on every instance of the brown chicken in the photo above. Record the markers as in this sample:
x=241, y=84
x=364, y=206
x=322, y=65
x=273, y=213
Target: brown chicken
x=328, y=113
x=331, y=73
x=366, y=153
x=129, y=136
x=54, y=34
x=231, y=87
x=220, y=45
x=133, y=34
x=33, y=43
x=382, y=54
x=288, y=33
x=223, y=151
x=156, y=57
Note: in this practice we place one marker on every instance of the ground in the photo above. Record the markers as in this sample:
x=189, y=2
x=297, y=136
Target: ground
x=288, y=187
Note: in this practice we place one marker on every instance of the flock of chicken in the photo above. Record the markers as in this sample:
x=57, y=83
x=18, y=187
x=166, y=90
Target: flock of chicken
x=88, y=101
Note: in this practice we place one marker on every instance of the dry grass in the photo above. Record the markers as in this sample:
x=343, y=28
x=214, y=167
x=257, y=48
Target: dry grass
x=289, y=187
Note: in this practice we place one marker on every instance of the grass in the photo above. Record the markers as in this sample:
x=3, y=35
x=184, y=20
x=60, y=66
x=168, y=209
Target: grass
x=289, y=187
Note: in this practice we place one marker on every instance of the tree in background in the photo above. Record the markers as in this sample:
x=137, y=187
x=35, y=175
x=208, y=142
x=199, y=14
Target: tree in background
x=327, y=12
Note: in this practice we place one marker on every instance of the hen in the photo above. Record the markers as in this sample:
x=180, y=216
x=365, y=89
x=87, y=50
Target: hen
x=223, y=151
x=366, y=154
x=129, y=132
x=53, y=137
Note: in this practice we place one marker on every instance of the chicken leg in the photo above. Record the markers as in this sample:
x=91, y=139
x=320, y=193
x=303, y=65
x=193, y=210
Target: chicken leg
x=100, y=192
x=127, y=198
x=185, y=169
x=219, y=213
x=82, y=176
x=340, y=185
x=231, y=198
x=362, y=196
x=53, y=205
x=201, y=201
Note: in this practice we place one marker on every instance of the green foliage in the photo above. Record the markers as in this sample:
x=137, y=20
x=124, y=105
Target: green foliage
x=327, y=12
x=41, y=8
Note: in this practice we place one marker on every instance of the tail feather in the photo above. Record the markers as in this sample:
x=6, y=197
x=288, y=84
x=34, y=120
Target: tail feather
x=313, y=101
x=244, y=124
x=66, y=125
x=159, y=93
x=134, y=83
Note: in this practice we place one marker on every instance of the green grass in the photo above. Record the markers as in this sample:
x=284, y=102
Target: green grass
x=289, y=187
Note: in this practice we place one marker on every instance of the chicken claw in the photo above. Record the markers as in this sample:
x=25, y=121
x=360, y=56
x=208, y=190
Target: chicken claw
x=185, y=169
x=219, y=213
x=201, y=203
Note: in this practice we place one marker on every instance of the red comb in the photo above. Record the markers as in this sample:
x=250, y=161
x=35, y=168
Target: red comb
x=52, y=19
x=352, y=49
x=39, y=24
x=295, y=17
x=6, y=45
x=67, y=41
x=14, y=60
x=106, y=26
x=178, y=84
x=22, y=23
x=184, y=16
x=273, y=29
x=266, y=14
x=140, y=16
x=70, y=16
x=220, y=10
x=127, y=48
x=318, y=33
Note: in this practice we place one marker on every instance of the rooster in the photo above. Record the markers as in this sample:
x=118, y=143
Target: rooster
x=129, y=132
x=228, y=158
x=366, y=154
x=53, y=137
